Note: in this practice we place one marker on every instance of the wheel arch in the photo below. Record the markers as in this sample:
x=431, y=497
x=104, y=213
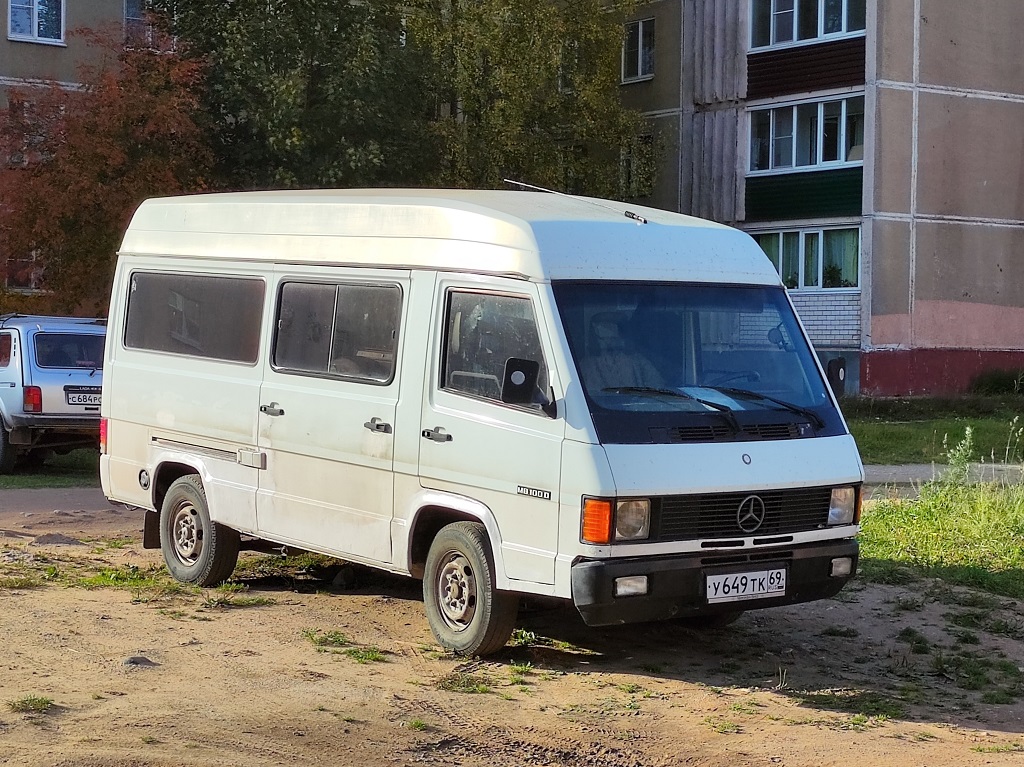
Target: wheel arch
x=438, y=510
x=165, y=475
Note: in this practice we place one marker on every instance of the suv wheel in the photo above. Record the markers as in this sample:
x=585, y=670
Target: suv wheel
x=8, y=453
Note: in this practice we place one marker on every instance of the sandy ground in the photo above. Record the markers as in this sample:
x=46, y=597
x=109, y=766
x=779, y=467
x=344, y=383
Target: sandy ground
x=188, y=680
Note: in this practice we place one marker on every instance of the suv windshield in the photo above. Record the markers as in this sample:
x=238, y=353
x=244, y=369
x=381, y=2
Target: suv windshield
x=672, y=362
x=69, y=350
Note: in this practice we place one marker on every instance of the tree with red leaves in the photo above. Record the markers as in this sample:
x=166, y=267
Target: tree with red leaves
x=74, y=165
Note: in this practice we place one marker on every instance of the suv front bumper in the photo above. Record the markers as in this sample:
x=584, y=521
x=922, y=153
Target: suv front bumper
x=676, y=584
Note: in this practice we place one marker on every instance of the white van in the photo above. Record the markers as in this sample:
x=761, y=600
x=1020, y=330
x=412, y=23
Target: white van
x=500, y=393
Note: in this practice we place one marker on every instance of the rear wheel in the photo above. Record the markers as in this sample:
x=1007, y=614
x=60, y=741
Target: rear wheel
x=467, y=614
x=196, y=549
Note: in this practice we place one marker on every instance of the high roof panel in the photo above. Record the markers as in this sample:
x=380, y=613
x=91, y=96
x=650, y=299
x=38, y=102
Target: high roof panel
x=535, y=235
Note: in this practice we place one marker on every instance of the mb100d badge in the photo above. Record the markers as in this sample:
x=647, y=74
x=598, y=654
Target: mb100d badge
x=750, y=515
x=533, y=492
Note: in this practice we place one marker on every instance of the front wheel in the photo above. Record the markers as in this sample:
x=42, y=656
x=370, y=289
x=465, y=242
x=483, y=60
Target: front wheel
x=467, y=614
x=196, y=549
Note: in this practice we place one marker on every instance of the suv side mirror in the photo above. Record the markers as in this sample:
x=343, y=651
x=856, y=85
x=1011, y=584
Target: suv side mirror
x=519, y=382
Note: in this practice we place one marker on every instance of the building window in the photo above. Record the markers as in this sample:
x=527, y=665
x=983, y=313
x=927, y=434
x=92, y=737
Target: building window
x=814, y=258
x=638, y=51
x=37, y=20
x=785, y=22
x=817, y=133
x=138, y=32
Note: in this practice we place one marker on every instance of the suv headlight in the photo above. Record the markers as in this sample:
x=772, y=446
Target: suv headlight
x=844, y=507
x=632, y=519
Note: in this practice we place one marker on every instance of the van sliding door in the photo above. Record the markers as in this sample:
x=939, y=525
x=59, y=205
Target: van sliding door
x=327, y=411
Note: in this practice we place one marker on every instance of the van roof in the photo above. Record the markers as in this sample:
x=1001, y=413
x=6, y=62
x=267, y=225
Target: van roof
x=532, y=235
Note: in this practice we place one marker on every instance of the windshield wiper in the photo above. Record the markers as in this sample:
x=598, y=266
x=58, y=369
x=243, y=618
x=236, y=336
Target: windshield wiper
x=725, y=411
x=780, y=402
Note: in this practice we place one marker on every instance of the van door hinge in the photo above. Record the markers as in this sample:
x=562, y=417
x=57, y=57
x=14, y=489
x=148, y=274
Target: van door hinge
x=257, y=459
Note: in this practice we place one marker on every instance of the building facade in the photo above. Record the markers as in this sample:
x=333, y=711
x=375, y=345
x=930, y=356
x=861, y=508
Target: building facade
x=871, y=149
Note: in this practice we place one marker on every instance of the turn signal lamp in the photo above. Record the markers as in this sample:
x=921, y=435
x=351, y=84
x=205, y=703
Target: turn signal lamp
x=597, y=521
x=103, y=435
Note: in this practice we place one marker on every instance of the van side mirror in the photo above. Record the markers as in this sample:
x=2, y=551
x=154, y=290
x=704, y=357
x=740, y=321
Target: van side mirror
x=519, y=383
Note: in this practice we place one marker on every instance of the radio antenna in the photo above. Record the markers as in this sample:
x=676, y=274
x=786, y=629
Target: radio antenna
x=627, y=213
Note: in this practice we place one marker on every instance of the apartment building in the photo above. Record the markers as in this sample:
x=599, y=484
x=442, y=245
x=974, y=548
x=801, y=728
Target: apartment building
x=873, y=150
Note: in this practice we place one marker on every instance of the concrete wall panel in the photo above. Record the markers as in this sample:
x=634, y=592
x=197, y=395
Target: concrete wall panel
x=893, y=151
x=972, y=45
x=894, y=41
x=890, y=271
x=970, y=263
x=970, y=153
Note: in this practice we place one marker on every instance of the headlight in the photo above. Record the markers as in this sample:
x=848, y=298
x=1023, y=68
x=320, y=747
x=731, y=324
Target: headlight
x=843, y=508
x=632, y=520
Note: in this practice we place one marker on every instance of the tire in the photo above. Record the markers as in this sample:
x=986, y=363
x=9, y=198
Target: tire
x=197, y=551
x=34, y=459
x=8, y=454
x=467, y=614
x=709, y=622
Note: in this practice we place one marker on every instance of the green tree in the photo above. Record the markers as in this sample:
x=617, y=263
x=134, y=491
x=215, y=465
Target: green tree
x=78, y=163
x=309, y=93
x=529, y=89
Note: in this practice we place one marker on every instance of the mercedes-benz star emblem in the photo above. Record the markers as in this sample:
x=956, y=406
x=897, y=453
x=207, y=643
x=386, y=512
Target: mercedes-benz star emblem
x=750, y=515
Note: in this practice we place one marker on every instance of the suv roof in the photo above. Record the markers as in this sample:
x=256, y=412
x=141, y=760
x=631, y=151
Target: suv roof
x=45, y=322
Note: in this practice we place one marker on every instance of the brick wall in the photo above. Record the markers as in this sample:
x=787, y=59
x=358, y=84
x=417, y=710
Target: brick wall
x=832, y=319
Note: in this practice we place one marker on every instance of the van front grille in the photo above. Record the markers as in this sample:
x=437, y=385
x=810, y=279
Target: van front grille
x=721, y=432
x=717, y=515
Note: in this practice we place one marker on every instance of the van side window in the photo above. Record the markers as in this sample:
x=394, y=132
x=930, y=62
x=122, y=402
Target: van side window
x=483, y=332
x=348, y=331
x=199, y=316
x=5, y=349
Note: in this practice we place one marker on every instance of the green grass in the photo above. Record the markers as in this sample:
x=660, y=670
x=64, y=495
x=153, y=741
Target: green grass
x=79, y=468
x=30, y=704
x=915, y=430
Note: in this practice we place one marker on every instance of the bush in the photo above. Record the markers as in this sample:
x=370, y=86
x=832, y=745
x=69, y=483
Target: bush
x=998, y=382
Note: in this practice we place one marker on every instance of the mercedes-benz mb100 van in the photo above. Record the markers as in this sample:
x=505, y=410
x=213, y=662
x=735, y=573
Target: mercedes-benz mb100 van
x=499, y=393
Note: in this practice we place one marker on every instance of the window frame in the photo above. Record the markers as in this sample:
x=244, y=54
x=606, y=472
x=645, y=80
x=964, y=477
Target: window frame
x=328, y=374
x=641, y=75
x=803, y=233
x=442, y=357
x=34, y=37
x=794, y=107
x=820, y=37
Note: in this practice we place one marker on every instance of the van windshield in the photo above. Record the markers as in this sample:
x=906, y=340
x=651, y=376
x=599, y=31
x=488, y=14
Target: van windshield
x=672, y=362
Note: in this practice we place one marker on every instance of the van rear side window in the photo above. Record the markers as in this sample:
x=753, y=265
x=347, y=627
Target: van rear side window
x=348, y=331
x=198, y=316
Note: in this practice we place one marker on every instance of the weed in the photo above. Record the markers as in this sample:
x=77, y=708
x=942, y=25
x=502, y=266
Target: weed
x=745, y=707
x=1005, y=748
x=919, y=644
x=631, y=688
x=30, y=704
x=999, y=696
x=522, y=669
x=12, y=582
x=417, y=724
x=149, y=740
x=460, y=682
x=723, y=726
x=966, y=637
x=369, y=654
x=652, y=668
x=326, y=638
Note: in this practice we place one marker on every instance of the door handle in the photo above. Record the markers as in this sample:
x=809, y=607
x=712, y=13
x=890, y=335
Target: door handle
x=437, y=434
x=378, y=425
x=272, y=409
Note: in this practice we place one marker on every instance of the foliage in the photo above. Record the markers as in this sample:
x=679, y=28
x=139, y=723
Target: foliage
x=80, y=161
x=528, y=90
x=453, y=93
x=308, y=93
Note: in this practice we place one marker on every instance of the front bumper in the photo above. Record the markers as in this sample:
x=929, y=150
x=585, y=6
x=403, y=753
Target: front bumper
x=676, y=584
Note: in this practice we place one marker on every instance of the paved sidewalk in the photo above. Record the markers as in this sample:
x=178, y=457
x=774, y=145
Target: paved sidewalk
x=912, y=476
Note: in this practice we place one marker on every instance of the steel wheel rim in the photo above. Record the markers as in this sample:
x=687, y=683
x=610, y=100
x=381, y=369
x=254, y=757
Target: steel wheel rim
x=456, y=591
x=187, y=533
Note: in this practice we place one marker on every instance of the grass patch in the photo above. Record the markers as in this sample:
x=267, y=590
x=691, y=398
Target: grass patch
x=966, y=534
x=840, y=631
x=465, y=683
x=369, y=654
x=326, y=639
x=723, y=726
x=12, y=582
x=30, y=704
x=79, y=468
x=864, y=703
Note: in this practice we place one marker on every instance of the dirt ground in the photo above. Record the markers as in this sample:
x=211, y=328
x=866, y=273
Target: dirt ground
x=881, y=675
